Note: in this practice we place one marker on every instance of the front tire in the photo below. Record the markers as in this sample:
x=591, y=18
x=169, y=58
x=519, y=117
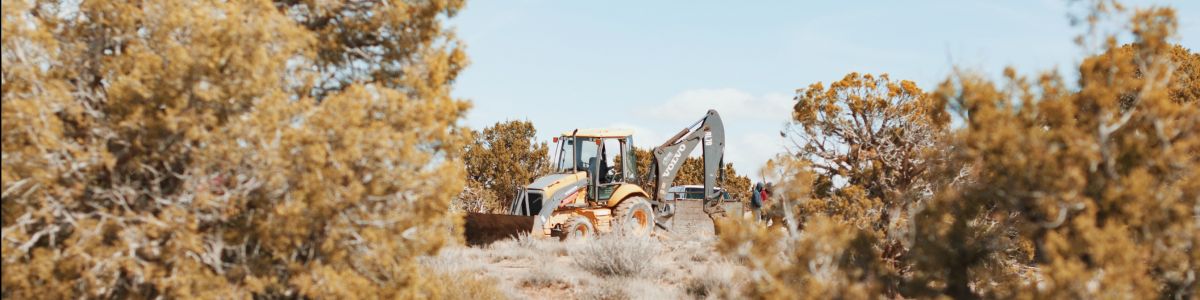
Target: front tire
x=577, y=228
x=635, y=215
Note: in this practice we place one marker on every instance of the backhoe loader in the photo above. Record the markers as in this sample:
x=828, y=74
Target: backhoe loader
x=587, y=195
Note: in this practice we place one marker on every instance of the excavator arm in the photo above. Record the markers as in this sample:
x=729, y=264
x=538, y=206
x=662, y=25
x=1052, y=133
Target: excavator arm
x=709, y=132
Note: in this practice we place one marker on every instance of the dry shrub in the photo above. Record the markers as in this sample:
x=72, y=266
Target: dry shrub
x=830, y=257
x=461, y=285
x=453, y=260
x=474, y=197
x=527, y=248
x=1096, y=187
x=692, y=263
x=547, y=245
x=1044, y=191
x=865, y=139
x=618, y=288
x=691, y=250
x=227, y=149
x=455, y=274
x=550, y=273
x=869, y=131
x=717, y=280
x=618, y=255
x=606, y=291
x=1102, y=179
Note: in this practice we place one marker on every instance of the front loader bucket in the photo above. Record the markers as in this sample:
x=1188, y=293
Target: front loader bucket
x=483, y=229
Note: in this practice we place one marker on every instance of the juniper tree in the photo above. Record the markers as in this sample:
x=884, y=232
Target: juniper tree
x=228, y=149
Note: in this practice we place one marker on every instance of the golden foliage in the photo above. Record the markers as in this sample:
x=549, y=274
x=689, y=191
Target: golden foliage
x=227, y=149
x=1044, y=191
x=503, y=157
x=866, y=139
x=868, y=131
x=1102, y=179
x=380, y=42
x=830, y=257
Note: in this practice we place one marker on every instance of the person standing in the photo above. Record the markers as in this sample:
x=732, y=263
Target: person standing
x=766, y=193
x=756, y=201
x=774, y=215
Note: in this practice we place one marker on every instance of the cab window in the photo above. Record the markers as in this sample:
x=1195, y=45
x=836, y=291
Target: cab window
x=566, y=155
x=576, y=153
x=585, y=150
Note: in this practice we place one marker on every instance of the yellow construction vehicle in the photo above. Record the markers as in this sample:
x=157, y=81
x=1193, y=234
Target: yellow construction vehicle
x=587, y=194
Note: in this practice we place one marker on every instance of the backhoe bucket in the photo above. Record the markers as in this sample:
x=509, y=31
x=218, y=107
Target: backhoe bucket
x=483, y=229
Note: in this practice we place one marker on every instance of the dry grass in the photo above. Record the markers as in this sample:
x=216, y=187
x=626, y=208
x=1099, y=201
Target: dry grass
x=466, y=285
x=551, y=274
x=618, y=255
x=719, y=280
x=526, y=248
x=701, y=272
x=619, y=288
x=470, y=280
x=611, y=266
x=453, y=260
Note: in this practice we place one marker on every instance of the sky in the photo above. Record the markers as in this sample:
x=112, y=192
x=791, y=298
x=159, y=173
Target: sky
x=657, y=66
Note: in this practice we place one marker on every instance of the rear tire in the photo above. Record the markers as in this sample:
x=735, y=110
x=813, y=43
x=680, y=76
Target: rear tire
x=635, y=215
x=578, y=227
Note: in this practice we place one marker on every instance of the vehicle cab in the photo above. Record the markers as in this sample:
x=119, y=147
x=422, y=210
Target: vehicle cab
x=604, y=156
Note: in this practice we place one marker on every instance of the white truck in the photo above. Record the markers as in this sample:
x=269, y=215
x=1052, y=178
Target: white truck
x=691, y=192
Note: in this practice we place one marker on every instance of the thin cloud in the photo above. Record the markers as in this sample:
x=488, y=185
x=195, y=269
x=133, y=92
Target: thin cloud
x=752, y=122
x=731, y=103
